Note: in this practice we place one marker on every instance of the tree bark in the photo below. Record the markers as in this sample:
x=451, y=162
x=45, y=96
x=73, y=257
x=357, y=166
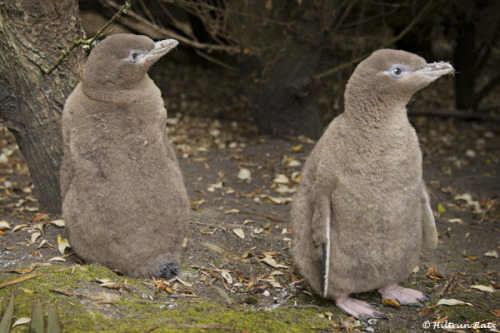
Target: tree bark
x=279, y=79
x=465, y=64
x=33, y=34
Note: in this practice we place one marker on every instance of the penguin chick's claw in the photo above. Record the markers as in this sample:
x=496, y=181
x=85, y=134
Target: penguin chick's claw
x=359, y=309
x=405, y=296
x=168, y=270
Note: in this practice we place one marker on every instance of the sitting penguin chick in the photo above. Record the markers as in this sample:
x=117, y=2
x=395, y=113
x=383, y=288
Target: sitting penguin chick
x=361, y=214
x=123, y=196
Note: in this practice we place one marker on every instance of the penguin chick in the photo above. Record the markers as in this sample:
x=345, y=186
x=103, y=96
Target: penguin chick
x=123, y=197
x=361, y=214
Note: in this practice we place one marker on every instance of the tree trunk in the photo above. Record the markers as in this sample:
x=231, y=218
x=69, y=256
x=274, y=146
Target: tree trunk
x=465, y=64
x=33, y=34
x=278, y=81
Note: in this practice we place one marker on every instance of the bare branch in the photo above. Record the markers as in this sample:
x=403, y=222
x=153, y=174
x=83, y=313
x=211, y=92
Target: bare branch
x=383, y=45
x=161, y=32
x=70, y=48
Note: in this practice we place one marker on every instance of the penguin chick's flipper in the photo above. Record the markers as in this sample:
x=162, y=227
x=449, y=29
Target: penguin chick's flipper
x=168, y=269
x=430, y=239
x=322, y=223
x=405, y=296
x=359, y=309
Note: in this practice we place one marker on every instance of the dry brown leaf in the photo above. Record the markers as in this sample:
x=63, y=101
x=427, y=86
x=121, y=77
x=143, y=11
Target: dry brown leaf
x=62, y=244
x=112, y=285
x=452, y=302
x=4, y=225
x=21, y=321
x=245, y=174
x=21, y=226
x=281, y=179
x=392, y=302
x=232, y=211
x=433, y=274
x=271, y=262
x=483, y=288
x=239, y=232
x=34, y=237
x=39, y=217
x=492, y=254
x=58, y=223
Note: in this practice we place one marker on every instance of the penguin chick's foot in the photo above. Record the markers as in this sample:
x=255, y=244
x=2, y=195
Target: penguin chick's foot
x=359, y=309
x=168, y=269
x=405, y=296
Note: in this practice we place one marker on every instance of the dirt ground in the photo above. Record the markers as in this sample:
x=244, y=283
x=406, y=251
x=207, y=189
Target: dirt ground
x=237, y=251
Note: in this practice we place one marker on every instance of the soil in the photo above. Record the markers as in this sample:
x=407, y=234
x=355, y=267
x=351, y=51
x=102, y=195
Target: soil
x=237, y=251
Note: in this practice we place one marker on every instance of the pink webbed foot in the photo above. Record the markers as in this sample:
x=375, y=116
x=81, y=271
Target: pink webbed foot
x=405, y=296
x=359, y=309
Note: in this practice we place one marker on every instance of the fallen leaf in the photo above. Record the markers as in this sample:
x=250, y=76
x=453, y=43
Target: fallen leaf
x=239, y=232
x=21, y=226
x=4, y=225
x=483, y=288
x=258, y=230
x=23, y=270
x=271, y=262
x=62, y=244
x=58, y=223
x=433, y=274
x=232, y=211
x=297, y=147
x=471, y=203
x=21, y=321
x=459, y=221
x=278, y=200
x=281, y=179
x=112, y=285
x=39, y=217
x=34, y=237
x=441, y=208
x=492, y=253
x=392, y=302
x=57, y=259
x=227, y=277
x=245, y=174
x=452, y=302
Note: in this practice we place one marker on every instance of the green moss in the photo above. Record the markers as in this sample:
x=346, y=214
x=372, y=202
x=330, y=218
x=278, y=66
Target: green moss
x=141, y=308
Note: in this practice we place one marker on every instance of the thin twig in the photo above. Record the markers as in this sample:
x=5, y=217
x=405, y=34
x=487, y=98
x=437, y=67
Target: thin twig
x=78, y=42
x=383, y=45
x=22, y=279
x=167, y=33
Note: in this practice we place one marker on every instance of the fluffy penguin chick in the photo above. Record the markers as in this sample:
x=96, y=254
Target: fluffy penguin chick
x=361, y=213
x=124, y=200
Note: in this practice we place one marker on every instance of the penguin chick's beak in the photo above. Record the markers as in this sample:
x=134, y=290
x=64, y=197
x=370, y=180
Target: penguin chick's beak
x=435, y=70
x=161, y=48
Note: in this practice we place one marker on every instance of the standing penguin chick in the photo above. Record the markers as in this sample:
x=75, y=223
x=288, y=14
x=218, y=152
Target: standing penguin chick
x=123, y=197
x=361, y=214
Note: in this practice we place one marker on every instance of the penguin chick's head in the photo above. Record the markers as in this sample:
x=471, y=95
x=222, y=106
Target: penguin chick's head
x=391, y=77
x=121, y=61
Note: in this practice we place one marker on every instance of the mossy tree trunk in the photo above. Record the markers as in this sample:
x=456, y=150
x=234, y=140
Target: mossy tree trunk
x=33, y=34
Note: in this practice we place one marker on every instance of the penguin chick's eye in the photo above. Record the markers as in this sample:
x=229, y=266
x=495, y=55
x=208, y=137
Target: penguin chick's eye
x=397, y=71
x=134, y=56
